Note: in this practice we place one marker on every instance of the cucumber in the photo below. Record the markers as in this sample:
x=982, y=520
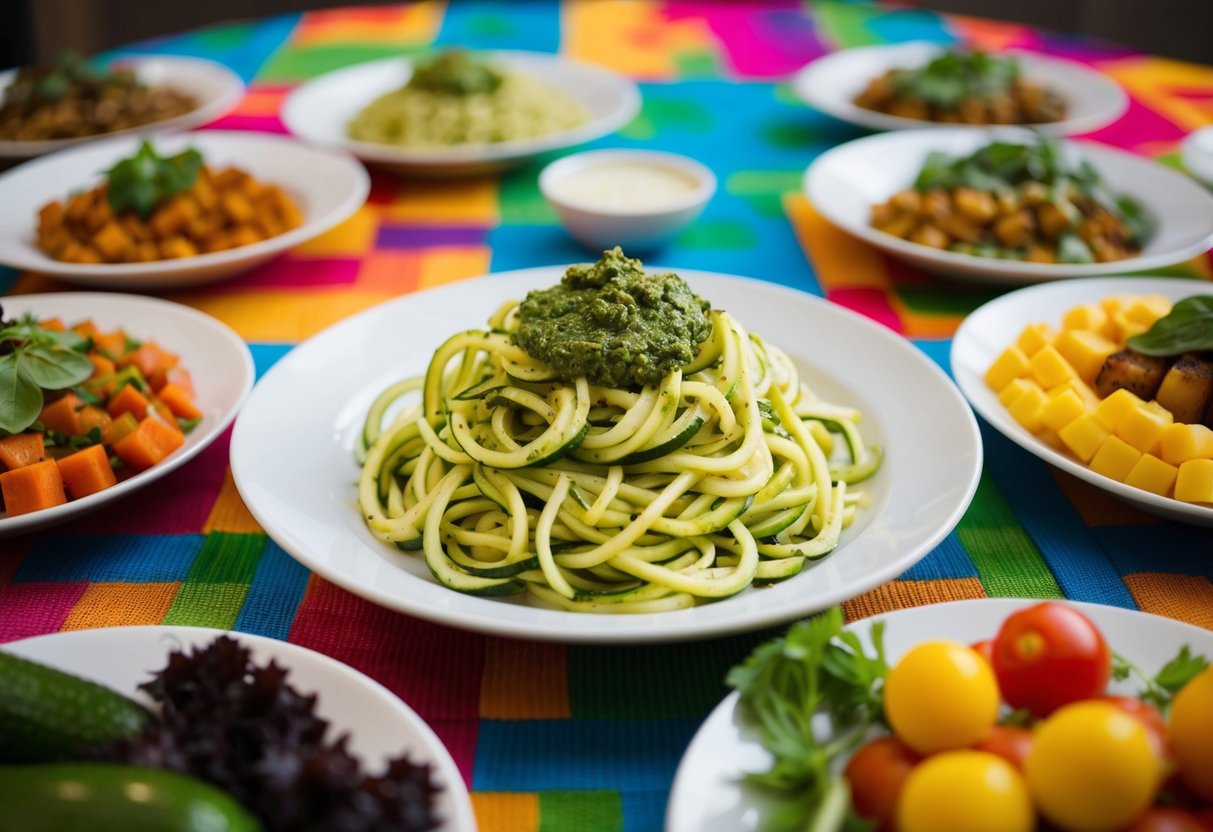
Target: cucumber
x=111, y=798
x=664, y=448
x=48, y=715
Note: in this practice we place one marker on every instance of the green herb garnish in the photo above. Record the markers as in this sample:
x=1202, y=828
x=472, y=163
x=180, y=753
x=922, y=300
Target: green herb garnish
x=455, y=72
x=70, y=71
x=40, y=359
x=956, y=76
x=1188, y=327
x=816, y=670
x=1161, y=687
x=145, y=180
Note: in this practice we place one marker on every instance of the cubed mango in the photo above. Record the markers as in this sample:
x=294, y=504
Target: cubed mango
x=1062, y=409
x=1035, y=336
x=1112, y=410
x=1015, y=389
x=1084, y=436
x=1012, y=364
x=1028, y=407
x=1152, y=474
x=1115, y=458
x=1089, y=316
x=1142, y=428
x=1049, y=368
x=1085, y=350
x=1194, y=484
x=1181, y=443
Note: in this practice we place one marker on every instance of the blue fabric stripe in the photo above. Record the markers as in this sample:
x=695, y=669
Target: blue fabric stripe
x=266, y=355
x=1158, y=547
x=274, y=595
x=119, y=558
x=544, y=755
x=644, y=811
x=947, y=560
x=501, y=25
x=910, y=24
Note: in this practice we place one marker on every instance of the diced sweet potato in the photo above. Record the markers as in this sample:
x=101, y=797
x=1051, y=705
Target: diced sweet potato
x=150, y=443
x=32, y=487
x=86, y=472
x=21, y=449
x=128, y=400
x=63, y=414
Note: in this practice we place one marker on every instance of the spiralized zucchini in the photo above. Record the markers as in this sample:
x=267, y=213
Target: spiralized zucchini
x=597, y=499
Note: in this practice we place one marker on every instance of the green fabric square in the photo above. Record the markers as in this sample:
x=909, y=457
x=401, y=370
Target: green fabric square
x=207, y=605
x=599, y=811
x=227, y=558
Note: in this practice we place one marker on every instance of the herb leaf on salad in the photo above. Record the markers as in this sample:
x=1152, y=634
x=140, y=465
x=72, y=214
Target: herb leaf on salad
x=1188, y=327
x=955, y=75
x=33, y=359
x=1161, y=688
x=147, y=179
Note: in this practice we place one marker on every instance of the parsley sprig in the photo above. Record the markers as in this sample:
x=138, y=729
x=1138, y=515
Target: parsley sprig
x=1161, y=688
x=147, y=179
x=36, y=359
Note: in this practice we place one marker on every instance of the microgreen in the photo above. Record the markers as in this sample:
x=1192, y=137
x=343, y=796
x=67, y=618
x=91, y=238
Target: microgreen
x=37, y=359
x=1188, y=327
x=145, y=180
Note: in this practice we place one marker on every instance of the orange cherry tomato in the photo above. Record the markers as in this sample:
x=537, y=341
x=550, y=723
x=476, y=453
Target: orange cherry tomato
x=876, y=772
x=985, y=649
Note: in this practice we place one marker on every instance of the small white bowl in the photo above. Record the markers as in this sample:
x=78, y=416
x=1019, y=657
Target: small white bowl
x=637, y=226
x=1196, y=151
x=327, y=184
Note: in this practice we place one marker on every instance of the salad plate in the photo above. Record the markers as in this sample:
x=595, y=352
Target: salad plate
x=379, y=724
x=830, y=84
x=709, y=794
x=218, y=360
x=212, y=85
x=320, y=110
x=327, y=185
x=844, y=183
x=293, y=456
x=988, y=331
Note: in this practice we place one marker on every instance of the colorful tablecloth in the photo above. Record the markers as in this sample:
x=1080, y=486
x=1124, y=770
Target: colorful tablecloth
x=577, y=738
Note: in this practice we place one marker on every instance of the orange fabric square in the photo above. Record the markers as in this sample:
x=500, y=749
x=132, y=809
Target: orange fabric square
x=121, y=605
x=898, y=595
x=506, y=811
x=449, y=265
x=390, y=272
x=1182, y=597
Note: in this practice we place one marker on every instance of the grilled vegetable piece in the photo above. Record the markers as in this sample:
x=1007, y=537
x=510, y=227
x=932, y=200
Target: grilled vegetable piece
x=1132, y=371
x=1187, y=388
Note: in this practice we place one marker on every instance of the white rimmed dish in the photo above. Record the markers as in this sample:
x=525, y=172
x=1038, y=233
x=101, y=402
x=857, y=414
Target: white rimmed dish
x=218, y=360
x=708, y=793
x=830, y=84
x=215, y=87
x=379, y=724
x=627, y=220
x=844, y=183
x=321, y=109
x=991, y=328
x=327, y=185
x=1196, y=152
x=293, y=458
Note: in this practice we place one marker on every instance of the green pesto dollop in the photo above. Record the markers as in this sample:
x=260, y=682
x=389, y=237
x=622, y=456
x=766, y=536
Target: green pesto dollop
x=455, y=72
x=613, y=323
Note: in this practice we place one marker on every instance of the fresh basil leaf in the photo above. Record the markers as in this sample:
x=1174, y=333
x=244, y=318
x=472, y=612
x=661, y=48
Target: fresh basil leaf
x=145, y=180
x=20, y=396
x=54, y=368
x=1187, y=328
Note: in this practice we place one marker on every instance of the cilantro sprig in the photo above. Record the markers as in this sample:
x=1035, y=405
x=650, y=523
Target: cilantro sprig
x=817, y=670
x=36, y=359
x=957, y=75
x=1161, y=688
x=147, y=179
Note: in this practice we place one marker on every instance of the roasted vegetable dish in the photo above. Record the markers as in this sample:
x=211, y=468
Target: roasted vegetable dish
x=963, y=88
x=158, y=208
x=74, y=99
x=1016, y=202
x=1125, y=386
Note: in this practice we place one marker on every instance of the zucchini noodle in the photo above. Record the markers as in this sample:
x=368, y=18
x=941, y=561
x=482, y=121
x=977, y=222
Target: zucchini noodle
x=508, y=479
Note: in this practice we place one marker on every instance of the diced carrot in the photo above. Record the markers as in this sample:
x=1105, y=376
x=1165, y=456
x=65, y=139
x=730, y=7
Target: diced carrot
x=151, y=360
x=93, y=417
x=119, y=429
x=85, y=329
x=63, y=414
x=86, y=472
x=32, y=487
x=182, y=378
x=22, y=449
x=102, y=366
x=112, y=344
x=128, y=399
x=151, y=442
x=165, y=413
x=53, y=324
x=179, y=402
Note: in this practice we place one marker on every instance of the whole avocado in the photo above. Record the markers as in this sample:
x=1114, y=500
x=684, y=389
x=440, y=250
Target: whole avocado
x=613, y=323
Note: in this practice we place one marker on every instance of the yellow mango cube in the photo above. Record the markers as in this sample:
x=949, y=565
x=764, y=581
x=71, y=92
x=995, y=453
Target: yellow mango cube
x=1033, y=337
x=1147, y=309
x=1049, y=368
x=1160, y=411
x=1112, y=410
x=1126, y=327
x=1115, y=303
x=1083, y=436
x=1142, y=428
x=1062, y=409
x=1089, y=397
x=1028, y=406
x=1152, y=474
x=1195, y=481
x=1012, y=364
x=1115, y=458
x=1051, y=438
x=1016, y=389
x=1085, y=350
x=1089, y=316
x=1181, y=443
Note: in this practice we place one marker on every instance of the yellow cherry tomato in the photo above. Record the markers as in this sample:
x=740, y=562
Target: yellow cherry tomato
x=1092, y=767
x=963, y=791
x=1191, y=733
x=941, y=696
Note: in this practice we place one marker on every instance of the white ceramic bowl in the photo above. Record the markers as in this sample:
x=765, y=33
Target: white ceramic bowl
x=637, y=227
x=1196, y=151
x=320, y=110
x=831, y=83
x=327, y=185
x=215, y=87
x=844, y=183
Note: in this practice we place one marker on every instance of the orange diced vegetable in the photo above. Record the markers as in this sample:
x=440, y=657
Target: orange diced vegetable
x=86, y=472
x=93, y=417
x=32, y=487
x=85, y=329
x=153, y=362
x=182, y=378
x=179, y=401
x=53, y=324
x=102, y=366
x=112, y=344
x=164, y=412
x=151, y=442
x=128, y=400
x=62, y=414
x=119, y=429
x=21, y=449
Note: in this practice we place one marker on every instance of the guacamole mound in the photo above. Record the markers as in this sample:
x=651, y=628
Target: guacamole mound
x=613, y=323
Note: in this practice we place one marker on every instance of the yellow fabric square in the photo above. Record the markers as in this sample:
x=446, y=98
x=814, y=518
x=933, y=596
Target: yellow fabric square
x=450, y=201
x=121, y=605
x=352, y=238
x=449, y=265
x=230, y=514
x=506, y=811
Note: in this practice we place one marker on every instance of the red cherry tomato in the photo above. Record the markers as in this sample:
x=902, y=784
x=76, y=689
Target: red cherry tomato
x=1166, y=819
x=1050, y=655
x=1156, y=726
x=1205, y=818
x=1009, y=742
x=876, y=772
x=985, y=649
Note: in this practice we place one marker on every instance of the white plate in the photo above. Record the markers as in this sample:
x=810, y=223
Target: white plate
x=708, y=795
x=215, y=87
x=379, y=724
x=320, y=110
x=831, y=83
x=993, y=327
x=844, y=183
x=218, y=360
x=292, y=456
x=327, y=185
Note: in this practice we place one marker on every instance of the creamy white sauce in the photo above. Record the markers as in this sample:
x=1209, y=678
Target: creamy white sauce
x=624, y=186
